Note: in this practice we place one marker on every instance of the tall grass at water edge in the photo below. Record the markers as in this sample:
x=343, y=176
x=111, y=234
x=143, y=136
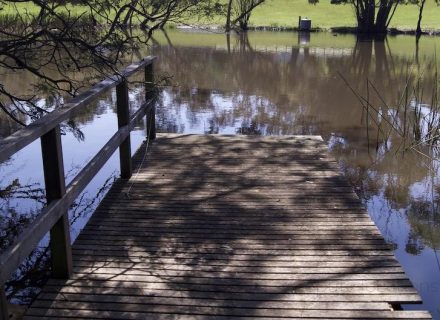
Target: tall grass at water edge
x=409, y=123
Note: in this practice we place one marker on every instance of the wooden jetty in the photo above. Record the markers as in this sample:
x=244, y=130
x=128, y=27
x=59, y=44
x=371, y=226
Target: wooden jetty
x=214, y=227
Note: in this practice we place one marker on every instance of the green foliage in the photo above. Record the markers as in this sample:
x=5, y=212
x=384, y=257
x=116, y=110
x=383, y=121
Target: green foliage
x=54, y=40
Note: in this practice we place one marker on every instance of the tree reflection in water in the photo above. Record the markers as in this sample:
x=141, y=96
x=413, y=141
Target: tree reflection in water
x=35, y=270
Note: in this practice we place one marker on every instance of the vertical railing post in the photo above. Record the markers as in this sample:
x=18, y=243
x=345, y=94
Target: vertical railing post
x=61, y=251
x=122, y=102
x=4, y=312
x=150, y=94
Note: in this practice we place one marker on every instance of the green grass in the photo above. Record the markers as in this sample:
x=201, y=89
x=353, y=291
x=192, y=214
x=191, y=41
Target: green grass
x=284, y=13
x=31, y=9
x=326, y=15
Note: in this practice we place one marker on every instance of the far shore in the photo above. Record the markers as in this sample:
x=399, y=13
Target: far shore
x=341, y=30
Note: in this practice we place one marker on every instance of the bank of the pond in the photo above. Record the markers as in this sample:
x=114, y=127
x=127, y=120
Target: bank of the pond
x=335, y=30
x=280, y=15
x=283, y=15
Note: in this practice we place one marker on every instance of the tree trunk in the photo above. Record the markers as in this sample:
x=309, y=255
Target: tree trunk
x=368, y=21
x=129, y=13
x=382, y=16
x=244, y=11
x=244, y=22
x=365, y=16
x=371, y=12
x=228, y=17
x=419, y=21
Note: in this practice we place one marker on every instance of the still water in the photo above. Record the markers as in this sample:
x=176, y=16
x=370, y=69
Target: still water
x=270, y=83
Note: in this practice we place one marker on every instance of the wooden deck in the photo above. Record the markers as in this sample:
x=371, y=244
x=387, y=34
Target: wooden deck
x=219, y=227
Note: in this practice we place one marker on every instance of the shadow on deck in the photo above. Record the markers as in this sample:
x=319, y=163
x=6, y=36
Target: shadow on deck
x=216, y=227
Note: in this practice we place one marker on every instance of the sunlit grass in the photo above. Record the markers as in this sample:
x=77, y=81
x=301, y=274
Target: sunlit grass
x=326, y=15
x=284, y=13
x=27, y=8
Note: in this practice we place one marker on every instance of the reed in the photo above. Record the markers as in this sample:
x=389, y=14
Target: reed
x=411, y=122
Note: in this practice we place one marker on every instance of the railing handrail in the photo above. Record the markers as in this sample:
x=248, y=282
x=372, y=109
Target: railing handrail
x=23, y=137
x=31, y=236
x=60, y=197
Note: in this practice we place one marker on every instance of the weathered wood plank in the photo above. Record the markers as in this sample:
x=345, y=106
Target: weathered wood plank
x=269, y=271
x=188, y=263
x=248, y=302
x=222, y=219
x=107, y=311
x=54, y=180
x=238, y=226
x=223, y=287
x=222, y=234
x=354, y=280
x=150, y=94
x=230, y=294
x=292, y=249
x=4, y=312
x=198, y=307
x=123, y=112
x=135, y=316
x=266, y=253
x=259, y=259
x=280, y=244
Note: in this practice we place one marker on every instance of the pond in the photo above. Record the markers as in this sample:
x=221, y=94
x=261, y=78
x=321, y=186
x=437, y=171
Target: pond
x=268, y=83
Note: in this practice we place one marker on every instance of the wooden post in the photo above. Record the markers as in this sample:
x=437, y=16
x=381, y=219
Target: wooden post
x=4, y=313
x=61, y=251
x=150, y=94
x=122, y=102
x=152, y=123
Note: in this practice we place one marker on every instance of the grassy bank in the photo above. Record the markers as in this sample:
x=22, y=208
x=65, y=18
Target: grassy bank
x=326, y=15
x=284, y=14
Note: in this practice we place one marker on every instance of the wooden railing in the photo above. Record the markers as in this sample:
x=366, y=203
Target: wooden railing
x=54, y=217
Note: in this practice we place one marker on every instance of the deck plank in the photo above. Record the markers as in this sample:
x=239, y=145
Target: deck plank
x=231, y=227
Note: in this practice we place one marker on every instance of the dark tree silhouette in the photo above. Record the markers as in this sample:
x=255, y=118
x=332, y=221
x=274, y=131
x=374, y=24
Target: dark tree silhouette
x=55, y=43
x=374, y=16
x=239, y=12
x=421, y=5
